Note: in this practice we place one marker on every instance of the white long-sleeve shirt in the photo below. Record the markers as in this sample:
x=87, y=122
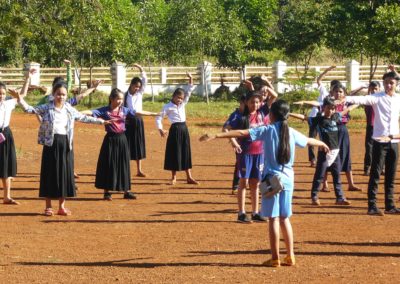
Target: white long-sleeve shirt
x=323, y=93
x=135, y=102
x=386, y=109
x=6, y=107
x=175, y=113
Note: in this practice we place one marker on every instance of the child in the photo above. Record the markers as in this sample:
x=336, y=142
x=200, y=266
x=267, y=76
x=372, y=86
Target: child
x=134, y=124
x=327, y=127
x=279, y=142
x=178, y=155
x=249, y=157
x=322, y=94
x=56, y=135
x=8, y=158
x=386, y=106
x=113, y=169
x=227, y=125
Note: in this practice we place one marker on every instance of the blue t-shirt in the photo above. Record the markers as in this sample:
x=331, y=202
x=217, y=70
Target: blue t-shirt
x=234, y=116
x=269, y=134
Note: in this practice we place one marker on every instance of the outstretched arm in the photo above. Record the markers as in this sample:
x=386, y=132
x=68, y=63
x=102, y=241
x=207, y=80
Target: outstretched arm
x=298, y=116
x=355, y=91
x=89, y=91
x=348, y=109
x=321, y=76
x=315, y=142
x=308, y=103
x=393, y=69
x=147, y=113
x=231, y=134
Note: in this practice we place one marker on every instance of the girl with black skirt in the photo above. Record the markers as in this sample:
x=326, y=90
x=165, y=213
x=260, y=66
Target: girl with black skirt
x=56, y=135
x=134, y=124
x=178, y=155
x=8, y=157
x=113, y=170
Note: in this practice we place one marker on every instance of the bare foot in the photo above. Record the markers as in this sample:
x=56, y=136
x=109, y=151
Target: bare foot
x=192, y=181
x=10, y=202
x=76, y=175
x=325, y=189
x=172, y=182
x=140, y=174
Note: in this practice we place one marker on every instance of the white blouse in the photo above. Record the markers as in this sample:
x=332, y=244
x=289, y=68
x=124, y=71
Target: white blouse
x=60, y=121
x=175, y=113
x=135, y=102
x=6, y=107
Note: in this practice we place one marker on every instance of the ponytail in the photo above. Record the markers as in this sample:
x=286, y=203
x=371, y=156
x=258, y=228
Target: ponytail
x=280, y=110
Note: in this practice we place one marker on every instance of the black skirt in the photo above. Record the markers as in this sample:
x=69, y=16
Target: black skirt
x=136, y=140
x=344, y=146
x=57, y=170
x=178, y=155
x=113, y=169
x=8, y=158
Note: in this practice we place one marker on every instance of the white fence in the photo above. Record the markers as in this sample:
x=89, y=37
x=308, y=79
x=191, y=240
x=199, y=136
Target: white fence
x=206, y=77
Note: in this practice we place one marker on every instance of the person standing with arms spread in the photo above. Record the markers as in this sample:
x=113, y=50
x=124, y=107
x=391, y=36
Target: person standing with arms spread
x=386, y=106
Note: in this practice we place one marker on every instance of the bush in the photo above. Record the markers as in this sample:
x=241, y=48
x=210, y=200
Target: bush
x=299, y=95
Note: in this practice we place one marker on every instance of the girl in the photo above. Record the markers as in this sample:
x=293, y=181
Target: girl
x=8, y=158
x=56, y=135
x=249, y=157
x=134, y=124
x=279, y=142
x=178, y=155
x=113, y=169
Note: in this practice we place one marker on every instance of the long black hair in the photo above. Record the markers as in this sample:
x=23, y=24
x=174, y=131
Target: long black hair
x=245, y=123
x=280, y=110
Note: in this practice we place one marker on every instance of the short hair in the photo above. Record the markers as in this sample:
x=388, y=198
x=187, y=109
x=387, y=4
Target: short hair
x=328, y=101
x=3, y=86
x=391, y=75
x=374, y=84
x=136, y=80
x=335, y=82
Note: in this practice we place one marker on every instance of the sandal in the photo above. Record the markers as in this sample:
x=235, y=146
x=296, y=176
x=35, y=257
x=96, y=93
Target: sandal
x=272, y=263
x=289, y=261
x=48, y=212
x=107, y=196
x=11, y=202
x=64, y=212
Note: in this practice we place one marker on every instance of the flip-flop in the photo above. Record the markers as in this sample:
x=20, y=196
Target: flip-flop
x=11, y=202
x=64, y=212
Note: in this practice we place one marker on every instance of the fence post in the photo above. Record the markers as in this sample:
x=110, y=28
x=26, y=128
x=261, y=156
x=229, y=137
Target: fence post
x=243, y=73
x=352, y=74
x=35, y=79
x=205, y=77
x=279, y=69
x=118, y=75
x=163, y=75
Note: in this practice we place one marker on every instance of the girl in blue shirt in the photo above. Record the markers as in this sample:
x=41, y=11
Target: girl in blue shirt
x=279, y=140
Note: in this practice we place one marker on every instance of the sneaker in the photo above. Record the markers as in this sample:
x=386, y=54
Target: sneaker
x=129, y=195
x=315, y=201
x=394, y=210
x=289, y=261
x=374, y=211
x=258, y=218
x=242, y=218
x=343, y=202
x=272, y=263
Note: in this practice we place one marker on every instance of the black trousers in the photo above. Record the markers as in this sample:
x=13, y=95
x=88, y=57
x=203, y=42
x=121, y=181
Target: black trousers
x=368, y=147
x=312, y=133
x=383, y=154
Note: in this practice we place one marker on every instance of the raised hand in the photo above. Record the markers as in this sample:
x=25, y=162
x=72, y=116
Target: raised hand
x=331, y=67
x=67, y=62
x=14, y=93
x=249, y=85
x=138, y=66
x=97, y=83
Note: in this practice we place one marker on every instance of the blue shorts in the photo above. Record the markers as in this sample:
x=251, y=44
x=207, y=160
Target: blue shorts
x=279, y=205
x=250, y=166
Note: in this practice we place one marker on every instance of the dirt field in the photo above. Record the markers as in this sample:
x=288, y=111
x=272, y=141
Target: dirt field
x=183, y=233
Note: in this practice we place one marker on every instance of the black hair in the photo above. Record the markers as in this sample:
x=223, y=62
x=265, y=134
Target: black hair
x=242, y=98
x=328, y=101
x=258, y=83
x=114, y=94
x=59, y=85
x=245, y=123
x=57, y=80
x=3, y=86
x=391, y=75
x=136, y=80
x=335, y=82
x=339, y=86
x=178, y=91
x=280, y=110
x=374, y=84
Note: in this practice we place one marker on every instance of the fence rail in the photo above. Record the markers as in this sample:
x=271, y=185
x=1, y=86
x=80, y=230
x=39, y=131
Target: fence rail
x=206, y=77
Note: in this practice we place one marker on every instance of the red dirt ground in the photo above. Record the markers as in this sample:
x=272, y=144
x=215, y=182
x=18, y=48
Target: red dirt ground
x=184, y=233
